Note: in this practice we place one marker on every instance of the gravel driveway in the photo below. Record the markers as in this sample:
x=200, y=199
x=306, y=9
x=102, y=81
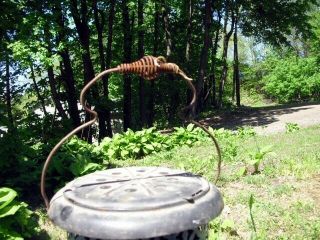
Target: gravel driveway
x=304, y=116
x=268, y=120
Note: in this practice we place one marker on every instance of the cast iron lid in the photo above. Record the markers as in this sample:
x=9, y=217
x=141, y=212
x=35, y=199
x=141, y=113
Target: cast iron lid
x=135, y=202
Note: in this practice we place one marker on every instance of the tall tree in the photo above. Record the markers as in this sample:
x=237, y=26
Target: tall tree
x=174, y=94
x=165, y=18
x=226, y=38
x=214, y=60
x=67, y=74
x=204, y=52
x=99, y=20
x=52, y=81
x=108, y=61
x=37, y=90
x=8, y=94
x=236, y=75
x=127, y=49
x=150, y=108
x=142, y=106
x=189, y=29
x=81, y=18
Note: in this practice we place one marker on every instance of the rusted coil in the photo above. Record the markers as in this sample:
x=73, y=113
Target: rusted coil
x=149, y=67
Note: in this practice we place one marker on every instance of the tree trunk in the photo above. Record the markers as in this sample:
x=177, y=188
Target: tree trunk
x=81, y=21
x=226, y=38
x=236, y=61
x=66, y=69
x=36, y=88
x=127, y=48
x=155, y=53
x=168, y=39
x=174, y=96
x=99, y=26
x=8, y=96
x=102, y=112
x=213, y=65
x=108, y=61
x=189, y=29
x=204, y=54
x=142, y=107
x=52, y=82
x=68, y=78
x=54, y=93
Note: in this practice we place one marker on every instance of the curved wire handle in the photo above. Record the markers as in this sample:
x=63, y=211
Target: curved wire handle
x=148, y=67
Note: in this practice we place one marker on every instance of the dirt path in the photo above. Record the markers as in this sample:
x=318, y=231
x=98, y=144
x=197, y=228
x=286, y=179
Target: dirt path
x=268, y=120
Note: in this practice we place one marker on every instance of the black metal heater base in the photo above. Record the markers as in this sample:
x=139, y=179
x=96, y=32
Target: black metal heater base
x=136, y=203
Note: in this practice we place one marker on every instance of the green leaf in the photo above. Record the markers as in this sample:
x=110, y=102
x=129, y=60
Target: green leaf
x=190, y=127
x=136, y=150
x=242, y=171
x=9, y=234
x=6, y=196
x=251, y=201
x=90, y=167
x=227, y=225
x=149, y=146
x=124, y=153
x=9, y=210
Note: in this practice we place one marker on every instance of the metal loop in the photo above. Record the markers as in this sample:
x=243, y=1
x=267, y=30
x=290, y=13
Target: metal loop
x=148, y=67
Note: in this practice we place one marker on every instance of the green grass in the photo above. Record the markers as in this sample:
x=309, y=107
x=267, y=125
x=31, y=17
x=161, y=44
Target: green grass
x=286, y=189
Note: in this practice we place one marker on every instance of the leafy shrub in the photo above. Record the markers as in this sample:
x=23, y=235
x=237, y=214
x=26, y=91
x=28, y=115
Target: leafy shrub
x=228, y=142
x=133, y=144
x=16, y=220
x=257, y=157
x=76, y=158
x=292, y=127
x=147, y=141
x=292, y=79
x=20, y=162
x=187, y=136
x=246, y=131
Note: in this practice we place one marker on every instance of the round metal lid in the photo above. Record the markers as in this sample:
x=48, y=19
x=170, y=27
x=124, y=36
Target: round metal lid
x=135, y=202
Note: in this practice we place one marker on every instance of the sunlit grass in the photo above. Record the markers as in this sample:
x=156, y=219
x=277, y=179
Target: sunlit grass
x=285, y=191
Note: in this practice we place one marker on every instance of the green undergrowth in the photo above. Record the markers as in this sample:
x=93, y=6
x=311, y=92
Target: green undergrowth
x=269, y=183
x=286, y=200
x=17, y=221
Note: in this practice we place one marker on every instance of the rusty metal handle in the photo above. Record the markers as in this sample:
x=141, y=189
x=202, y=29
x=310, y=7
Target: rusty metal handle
x=148, y=67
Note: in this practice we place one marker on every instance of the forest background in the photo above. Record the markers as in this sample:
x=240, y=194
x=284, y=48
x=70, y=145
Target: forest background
x=238, y=52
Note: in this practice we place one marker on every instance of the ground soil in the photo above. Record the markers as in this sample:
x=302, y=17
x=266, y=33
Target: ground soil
x=267, y=120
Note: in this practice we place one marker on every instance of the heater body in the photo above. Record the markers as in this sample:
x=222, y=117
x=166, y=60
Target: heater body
x=136, y=203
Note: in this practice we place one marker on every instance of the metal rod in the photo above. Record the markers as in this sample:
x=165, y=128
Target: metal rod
x=148, y=67
x=70, y=134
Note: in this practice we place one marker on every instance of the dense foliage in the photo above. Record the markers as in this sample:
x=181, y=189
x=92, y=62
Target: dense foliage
x=50, y=49
x=16, y=220
x=292, y=79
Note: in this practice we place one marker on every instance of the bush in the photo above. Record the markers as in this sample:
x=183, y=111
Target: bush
x=138, y=144
x=292, y=127
x=75, y=158
x=16, y=220
x=292, y=79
